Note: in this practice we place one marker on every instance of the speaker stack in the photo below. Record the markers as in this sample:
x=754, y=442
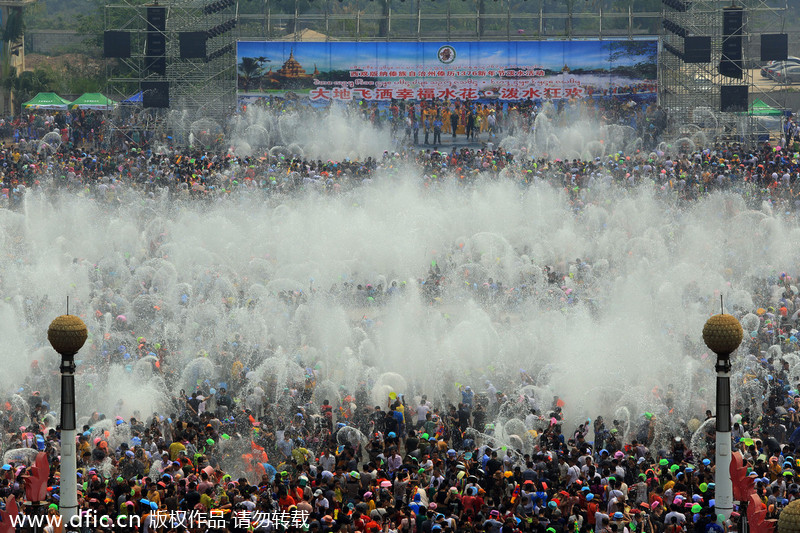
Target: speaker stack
x=697, y=50
x=151, y=62
x=155, y=94
x=774, y=47
x=117, y=44
x=732, y=25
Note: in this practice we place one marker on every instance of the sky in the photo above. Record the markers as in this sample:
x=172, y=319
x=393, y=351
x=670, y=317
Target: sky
x=486, y=54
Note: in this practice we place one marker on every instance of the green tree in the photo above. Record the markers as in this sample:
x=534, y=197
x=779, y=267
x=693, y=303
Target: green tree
x=28, y=84
x=249, y=70
x=15, y=25
x=15, y=28
x=92, y=23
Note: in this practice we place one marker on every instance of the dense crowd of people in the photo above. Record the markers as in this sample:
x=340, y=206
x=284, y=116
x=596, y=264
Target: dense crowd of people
x=418, y=123
x=81, y=148
x=231, y=456
x=769, y=172
x=241, y=455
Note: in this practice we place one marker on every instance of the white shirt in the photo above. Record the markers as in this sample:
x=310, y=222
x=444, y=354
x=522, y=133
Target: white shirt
x=680, y=516
x=573, y=473
x=327, y=462
x=422, y=412
x=321, y=504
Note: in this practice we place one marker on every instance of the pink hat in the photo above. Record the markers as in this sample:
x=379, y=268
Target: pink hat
x=654, y=505
x=386, y=484
x=619, y=455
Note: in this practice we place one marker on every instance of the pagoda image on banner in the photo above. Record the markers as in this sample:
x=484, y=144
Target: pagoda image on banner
x=291, y=75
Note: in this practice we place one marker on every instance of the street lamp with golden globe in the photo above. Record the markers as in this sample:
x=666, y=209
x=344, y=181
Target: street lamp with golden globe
x=67, y=334
x=723, y=334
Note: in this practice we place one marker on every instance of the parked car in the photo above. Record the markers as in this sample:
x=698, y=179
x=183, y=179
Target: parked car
x=787, y=74
x=775, y=65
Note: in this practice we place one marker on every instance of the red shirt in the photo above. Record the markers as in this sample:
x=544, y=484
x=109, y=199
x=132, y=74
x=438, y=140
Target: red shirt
x=286, y=502
x=372, y=525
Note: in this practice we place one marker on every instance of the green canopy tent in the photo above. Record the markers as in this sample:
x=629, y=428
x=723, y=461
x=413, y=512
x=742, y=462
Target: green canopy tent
x=47, y=101
x=760, y=109
x=93, y=101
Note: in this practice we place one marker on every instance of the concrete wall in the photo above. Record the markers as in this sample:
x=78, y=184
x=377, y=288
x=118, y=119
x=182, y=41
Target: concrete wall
x=789, y=99
x=51, y=41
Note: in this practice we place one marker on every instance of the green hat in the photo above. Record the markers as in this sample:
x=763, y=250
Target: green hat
x=663, y=462
x=120, y=479
x=355, y=475
x=421, y=471
x=696, y=508
x=703, y=487
x=53, y=506
x=674, y=468
x=425, y=436
x=284, y=474
x=210, y=442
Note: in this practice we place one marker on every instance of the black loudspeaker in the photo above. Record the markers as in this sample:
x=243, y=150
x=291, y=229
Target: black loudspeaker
x=697, y=50
x=156, y=18
x=774, y=46
x=155, y=94
x=155, y=50
x=732, y=20
x=116, y=44
x=731, y=63
x=193, y=44
x=155, y=65
x=733, y=98
x=732, y=23
x=156, y=44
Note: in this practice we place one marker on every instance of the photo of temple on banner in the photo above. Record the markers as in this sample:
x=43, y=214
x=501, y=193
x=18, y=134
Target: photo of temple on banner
x=325, y=72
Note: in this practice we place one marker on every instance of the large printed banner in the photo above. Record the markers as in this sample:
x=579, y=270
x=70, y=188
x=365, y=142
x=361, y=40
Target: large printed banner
x=507, y=70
